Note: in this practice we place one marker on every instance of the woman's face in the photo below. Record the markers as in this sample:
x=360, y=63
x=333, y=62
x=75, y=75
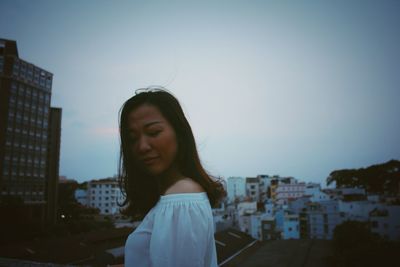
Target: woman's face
x=153, y=140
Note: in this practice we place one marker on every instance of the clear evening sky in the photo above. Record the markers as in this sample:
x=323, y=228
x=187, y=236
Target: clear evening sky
x=295, y=88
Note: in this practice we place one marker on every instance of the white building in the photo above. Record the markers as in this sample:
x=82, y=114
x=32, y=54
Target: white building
x=256, y=223
x=313, y=191
x=236, y=187
x=246, y=208
x=103, y=194
x=286, y=192
x=251, y=224
x=275, y=181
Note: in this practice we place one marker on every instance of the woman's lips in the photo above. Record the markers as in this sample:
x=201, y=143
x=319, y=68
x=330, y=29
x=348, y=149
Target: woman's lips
x=149, y=161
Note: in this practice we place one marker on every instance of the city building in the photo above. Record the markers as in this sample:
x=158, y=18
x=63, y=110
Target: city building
x=321, y=219
x=236, y=188
x=246, y=208
x=265, y=183
x=268, y=230
x=53, y=159
x=253, y=188
x=286, y=192
x=256, y=220
x=291, y=227
x=275, y=181
x=104, y=194
x=29, y=136
x=314, y=192
x=385, y=221
x=358, y=210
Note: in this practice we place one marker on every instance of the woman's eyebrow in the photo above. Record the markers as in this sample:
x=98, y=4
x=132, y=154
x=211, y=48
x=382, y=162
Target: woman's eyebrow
x=147, y=125
x=151, y=123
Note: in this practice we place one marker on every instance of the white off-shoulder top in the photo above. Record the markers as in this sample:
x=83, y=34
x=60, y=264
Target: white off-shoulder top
x=177, y=232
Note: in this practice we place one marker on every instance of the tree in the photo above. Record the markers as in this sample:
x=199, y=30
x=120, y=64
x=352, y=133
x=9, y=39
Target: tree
x=378, y=178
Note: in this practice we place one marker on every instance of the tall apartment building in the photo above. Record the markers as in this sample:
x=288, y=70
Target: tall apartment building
x=29, y=135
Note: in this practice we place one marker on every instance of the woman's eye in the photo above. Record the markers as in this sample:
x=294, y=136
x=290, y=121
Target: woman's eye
x=154, y=133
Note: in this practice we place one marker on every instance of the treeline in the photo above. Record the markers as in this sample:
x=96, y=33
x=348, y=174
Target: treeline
x=380, y=178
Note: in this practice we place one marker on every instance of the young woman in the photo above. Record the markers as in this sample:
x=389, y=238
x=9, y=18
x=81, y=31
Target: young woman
x=165, y=185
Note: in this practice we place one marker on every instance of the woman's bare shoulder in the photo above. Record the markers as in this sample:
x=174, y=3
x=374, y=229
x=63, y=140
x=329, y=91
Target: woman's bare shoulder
x=185, y=185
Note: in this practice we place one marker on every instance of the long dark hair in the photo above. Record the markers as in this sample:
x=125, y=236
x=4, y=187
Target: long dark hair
x=140, y=189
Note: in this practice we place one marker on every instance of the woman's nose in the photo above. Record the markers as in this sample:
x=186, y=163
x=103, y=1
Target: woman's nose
x=143, y=145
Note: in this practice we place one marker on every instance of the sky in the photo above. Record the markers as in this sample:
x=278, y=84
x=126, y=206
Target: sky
x=293, y=88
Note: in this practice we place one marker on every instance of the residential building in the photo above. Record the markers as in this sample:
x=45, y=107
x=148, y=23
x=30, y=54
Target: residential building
x=256, y=224
x=291, y=227
x=321, y=218
x=269, y=209
x=104, y=194
x=286, y=192
x=275, y=181
x=385, y=221
x=264, y=183
x=246, y=208
x=358, y=210
x=253, y=188
x=313, y=191
x=236, y=188
x=268, y=230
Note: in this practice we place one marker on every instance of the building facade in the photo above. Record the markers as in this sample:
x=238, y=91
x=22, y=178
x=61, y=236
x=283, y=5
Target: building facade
x=253, y=188
x=291, y=227
x=286, y=192
x=104, y=195
x=29, y=146
x=236, y=188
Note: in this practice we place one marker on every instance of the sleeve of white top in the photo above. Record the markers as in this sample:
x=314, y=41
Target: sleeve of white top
x=181, y=235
